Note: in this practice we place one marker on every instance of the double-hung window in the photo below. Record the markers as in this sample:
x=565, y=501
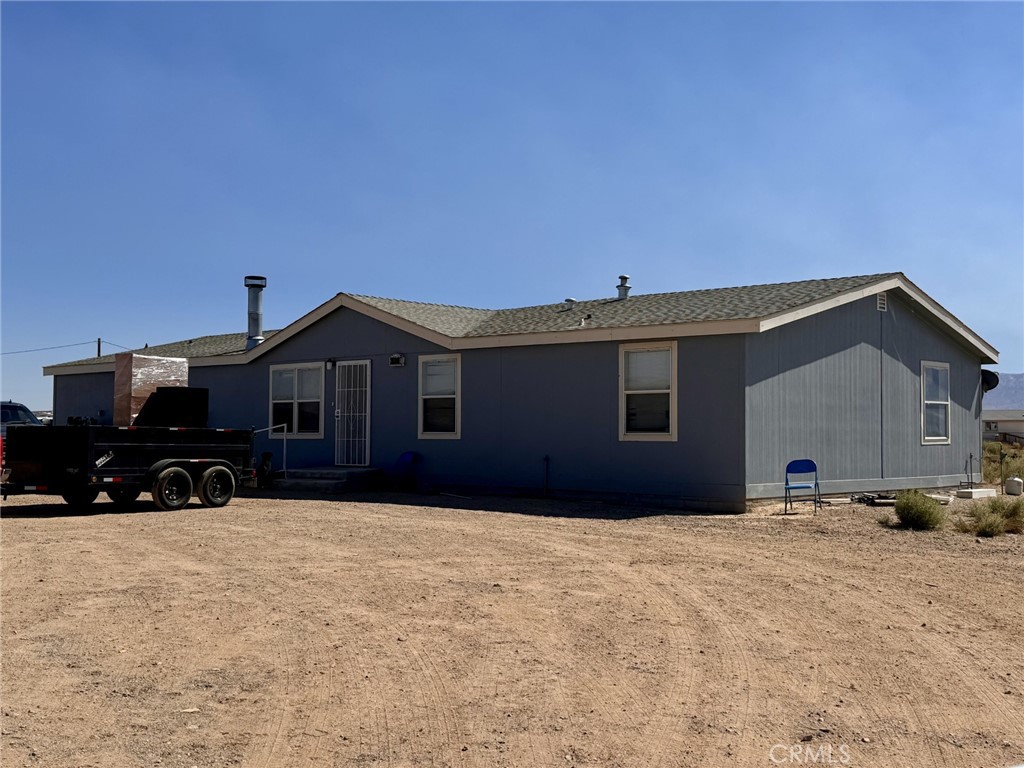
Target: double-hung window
x=647, y=391
x=296, y=399
x=934, y=403
x=440, y=408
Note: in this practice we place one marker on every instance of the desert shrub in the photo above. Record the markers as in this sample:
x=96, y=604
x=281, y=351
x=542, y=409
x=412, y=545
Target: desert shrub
x=995, y=516
x=916, y=511
x=988, y=522
x=1012, y=465
x=1009, y=509
x=964, y=525
x=1014, y=515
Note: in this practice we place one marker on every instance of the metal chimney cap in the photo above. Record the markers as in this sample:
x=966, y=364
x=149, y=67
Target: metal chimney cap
x=255, y=281
x=623, y=286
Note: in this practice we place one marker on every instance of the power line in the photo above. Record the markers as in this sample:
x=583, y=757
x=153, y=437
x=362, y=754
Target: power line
x=118, y=345
x=44, y=349
x=65, y=346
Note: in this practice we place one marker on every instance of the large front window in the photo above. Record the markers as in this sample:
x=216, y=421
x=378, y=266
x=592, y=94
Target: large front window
x=296, y=400
x=647, y=396
x=934, y=402
x=440, y=409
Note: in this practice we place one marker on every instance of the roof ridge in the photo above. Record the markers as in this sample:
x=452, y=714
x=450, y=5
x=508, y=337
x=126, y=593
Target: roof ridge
x=420, y=303
x=616, y=300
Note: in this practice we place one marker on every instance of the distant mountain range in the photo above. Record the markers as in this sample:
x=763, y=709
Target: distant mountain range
x=1008, y=395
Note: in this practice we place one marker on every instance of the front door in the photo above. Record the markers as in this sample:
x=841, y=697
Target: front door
x=352, y=415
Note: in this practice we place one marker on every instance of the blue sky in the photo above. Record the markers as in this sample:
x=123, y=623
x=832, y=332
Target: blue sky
x=495, y=155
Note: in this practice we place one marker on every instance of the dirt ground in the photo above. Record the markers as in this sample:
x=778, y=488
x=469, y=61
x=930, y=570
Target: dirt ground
x=435, y=631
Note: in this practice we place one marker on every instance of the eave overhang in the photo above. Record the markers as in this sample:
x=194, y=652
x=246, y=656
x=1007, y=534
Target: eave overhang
x=987, y=353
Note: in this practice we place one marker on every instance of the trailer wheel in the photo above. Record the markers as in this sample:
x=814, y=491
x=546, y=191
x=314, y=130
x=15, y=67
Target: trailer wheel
x=216, y=487
x=81, y=497
x=123, y=497
x=172, y=489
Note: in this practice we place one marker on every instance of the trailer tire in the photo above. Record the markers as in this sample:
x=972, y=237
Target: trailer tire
x=172, y=489
x=216, y=487
x=123, y=497
x=81, y=497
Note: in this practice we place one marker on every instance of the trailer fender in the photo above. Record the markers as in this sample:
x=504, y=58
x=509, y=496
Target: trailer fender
x=194, y=467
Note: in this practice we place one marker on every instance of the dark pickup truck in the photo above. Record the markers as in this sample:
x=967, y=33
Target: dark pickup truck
x=171, y=462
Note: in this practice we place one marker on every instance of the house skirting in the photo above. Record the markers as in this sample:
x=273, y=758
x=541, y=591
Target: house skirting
x=777, y=490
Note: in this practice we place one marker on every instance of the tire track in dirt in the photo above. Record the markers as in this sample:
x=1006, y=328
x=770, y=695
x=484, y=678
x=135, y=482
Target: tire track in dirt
x=906, y=709
x=754, y=575
x=441, y=715
x=932, y=721
x=808, y=593
x=655, y=722
x=623, y=651
x=297, y=649
x=262, y=754
x=664, y=726
x=607, y=688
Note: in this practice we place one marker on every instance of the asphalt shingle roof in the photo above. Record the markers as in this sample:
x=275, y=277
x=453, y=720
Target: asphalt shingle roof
x=202, y=346
x=746, y=302
x=741, y=303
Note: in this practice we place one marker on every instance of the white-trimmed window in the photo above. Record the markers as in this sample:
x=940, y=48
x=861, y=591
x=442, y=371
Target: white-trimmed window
x=297, y=399
x=647, y=391
x=440, y=407
x=934, y=403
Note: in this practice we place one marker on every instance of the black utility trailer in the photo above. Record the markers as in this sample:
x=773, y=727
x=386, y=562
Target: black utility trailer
x=78, y=462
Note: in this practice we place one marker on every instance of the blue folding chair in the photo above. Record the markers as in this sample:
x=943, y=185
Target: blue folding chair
x=802, y=467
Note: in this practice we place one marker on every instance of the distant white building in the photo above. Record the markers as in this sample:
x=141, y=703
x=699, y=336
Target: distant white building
x=1000, y=425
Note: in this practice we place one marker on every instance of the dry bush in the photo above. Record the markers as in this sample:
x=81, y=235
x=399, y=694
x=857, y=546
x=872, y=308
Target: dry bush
x=994, y=517
x=988, y=522
x=1010, y=509
x=1013, y=465
x=916, y=511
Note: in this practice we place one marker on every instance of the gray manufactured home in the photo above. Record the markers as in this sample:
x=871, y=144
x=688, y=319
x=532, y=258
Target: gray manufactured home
x=698, y=398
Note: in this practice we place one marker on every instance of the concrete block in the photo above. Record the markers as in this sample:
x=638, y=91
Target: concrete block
x=975, y=493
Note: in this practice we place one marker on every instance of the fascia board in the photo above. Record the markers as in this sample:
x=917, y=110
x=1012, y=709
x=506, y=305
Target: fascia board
x=576, y=336
x=627, y=333
x=203, y=362
x=67, y=370
x=988, y=353
x=792, y=315
x=281, y=336
x=580, y=335
x=397, y=322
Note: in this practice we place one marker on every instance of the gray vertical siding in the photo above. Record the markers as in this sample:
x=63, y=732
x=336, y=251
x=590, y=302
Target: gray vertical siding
x=843, y=388
x=519, y=405
x=88, y=395
x=813, y=392
x=910, y=337
x=240, y=394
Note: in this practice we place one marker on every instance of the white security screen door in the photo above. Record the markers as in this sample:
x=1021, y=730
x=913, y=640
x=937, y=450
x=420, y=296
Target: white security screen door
x=352, y=414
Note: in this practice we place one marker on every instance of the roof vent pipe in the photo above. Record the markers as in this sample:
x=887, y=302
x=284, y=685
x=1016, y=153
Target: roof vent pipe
x=255, y=284
x=569, y=304
x=624, y=286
